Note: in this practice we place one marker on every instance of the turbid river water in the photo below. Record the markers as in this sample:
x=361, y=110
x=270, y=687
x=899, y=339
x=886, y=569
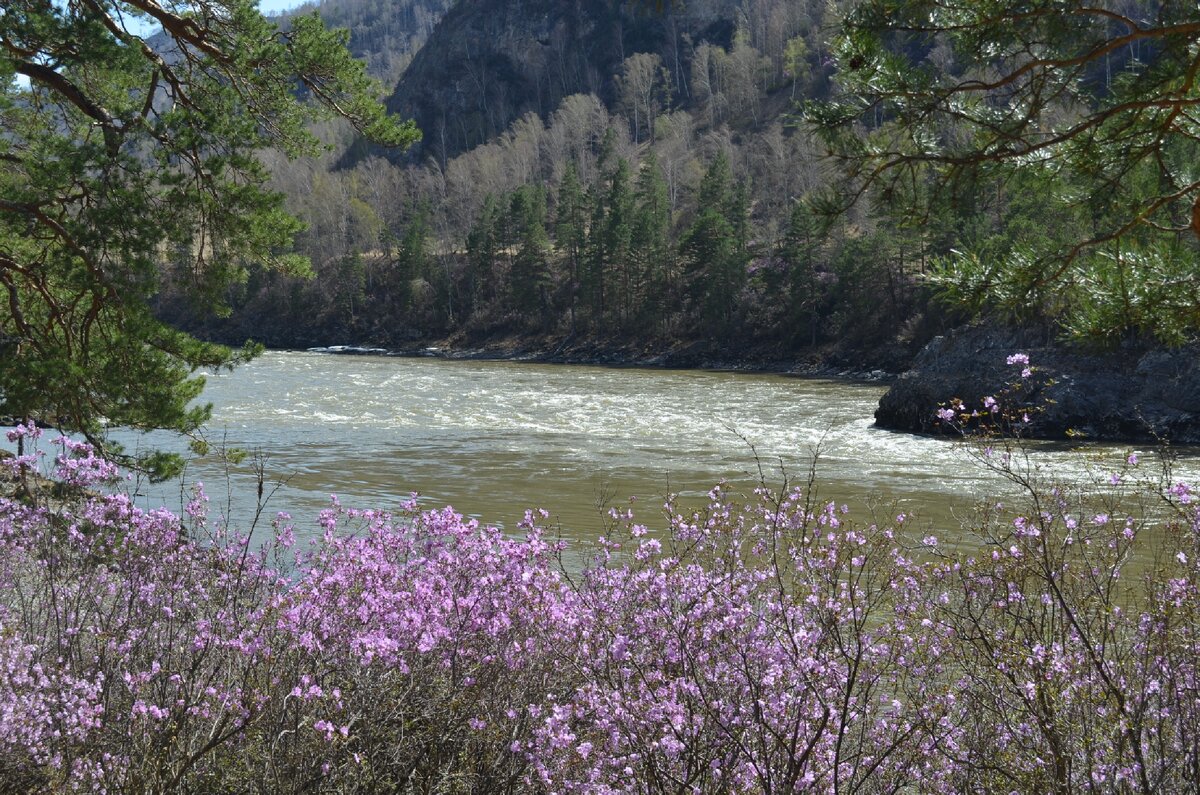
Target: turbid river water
x=493, y=438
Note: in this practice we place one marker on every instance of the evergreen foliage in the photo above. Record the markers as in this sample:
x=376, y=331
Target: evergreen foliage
x=530, y=270
x=571, y=231
x=1087, y=106
x=124, y=157
x=652, y=257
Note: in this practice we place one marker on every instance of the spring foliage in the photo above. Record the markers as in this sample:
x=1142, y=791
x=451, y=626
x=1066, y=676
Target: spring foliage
x=766, y=643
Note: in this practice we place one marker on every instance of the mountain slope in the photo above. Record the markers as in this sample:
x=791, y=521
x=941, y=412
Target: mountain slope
x=491, y=61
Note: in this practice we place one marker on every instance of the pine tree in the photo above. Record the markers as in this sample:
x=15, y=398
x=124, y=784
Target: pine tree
x=709, y=255
x=530, y=275
x=413, y=262
x=593, y=277
x=483, y=249
x=618, y=233
x=116, y=153
x=650, y=247
x=570, y=232
x=1033, y=95
x=802, y=287
x=714, y=187
x=715, y=249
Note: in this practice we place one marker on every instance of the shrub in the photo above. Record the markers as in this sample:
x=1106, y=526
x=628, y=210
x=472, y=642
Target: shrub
x=765, y=643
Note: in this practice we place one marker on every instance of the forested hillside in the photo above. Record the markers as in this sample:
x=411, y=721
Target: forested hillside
x=635, y=180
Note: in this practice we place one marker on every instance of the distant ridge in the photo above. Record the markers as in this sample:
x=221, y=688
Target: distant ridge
x=489, y=62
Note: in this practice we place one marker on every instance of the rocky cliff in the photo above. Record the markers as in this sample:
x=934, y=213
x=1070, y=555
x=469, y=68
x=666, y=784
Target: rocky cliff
x=489, y=62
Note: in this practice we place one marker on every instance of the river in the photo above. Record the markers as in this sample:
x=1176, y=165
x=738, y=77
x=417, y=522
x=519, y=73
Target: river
x=493, y=438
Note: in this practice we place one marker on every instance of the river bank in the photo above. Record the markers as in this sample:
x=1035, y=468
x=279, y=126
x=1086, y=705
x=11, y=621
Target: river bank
x=826, y=362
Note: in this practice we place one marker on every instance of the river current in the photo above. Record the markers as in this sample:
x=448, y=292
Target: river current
x=493, y=438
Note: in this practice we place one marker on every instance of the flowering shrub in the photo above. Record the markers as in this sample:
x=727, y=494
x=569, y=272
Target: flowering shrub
x=767, y=643
x=755, y=650
x=148, y=653
x=1007, y=413
x=423, y=638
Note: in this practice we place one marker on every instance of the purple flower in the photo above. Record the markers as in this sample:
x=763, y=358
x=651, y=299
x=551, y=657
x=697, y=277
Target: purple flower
x=24, y=431
x=729, y=637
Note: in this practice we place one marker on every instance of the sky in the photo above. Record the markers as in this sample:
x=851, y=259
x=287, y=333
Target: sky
x=267, y=7
x=270, y=7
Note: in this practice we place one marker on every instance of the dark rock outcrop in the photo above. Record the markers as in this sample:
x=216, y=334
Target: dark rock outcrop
x=1129, y=394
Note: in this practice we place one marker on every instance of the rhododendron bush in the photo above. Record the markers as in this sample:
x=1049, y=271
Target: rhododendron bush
x=767, y=643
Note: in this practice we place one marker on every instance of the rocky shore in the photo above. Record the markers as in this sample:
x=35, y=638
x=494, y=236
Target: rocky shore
x=694, y=356
x=1133, y=393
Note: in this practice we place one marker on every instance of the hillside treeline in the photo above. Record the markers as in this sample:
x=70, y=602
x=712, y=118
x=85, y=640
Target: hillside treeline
x=572, y=229
x=684, y=202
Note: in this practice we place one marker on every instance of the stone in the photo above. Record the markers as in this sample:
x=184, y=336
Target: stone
x=1131, y=393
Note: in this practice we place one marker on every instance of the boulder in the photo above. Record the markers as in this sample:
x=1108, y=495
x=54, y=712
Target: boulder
x=1131, y=393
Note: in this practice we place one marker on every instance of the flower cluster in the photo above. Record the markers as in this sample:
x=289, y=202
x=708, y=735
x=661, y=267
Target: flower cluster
x=1007, y=413
x=764, y=643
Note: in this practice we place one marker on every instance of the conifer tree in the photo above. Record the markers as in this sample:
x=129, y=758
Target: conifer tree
x=650, y=246
x=593, y=277
x=802, y=286
x=714, y=187
x=618, y=233
x=412, y=262
x=530, y=275
x=570, y=231
x=1093, y=101
x=715, y=250
x=713, y=279
x=483, y=248
x=118, y=153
